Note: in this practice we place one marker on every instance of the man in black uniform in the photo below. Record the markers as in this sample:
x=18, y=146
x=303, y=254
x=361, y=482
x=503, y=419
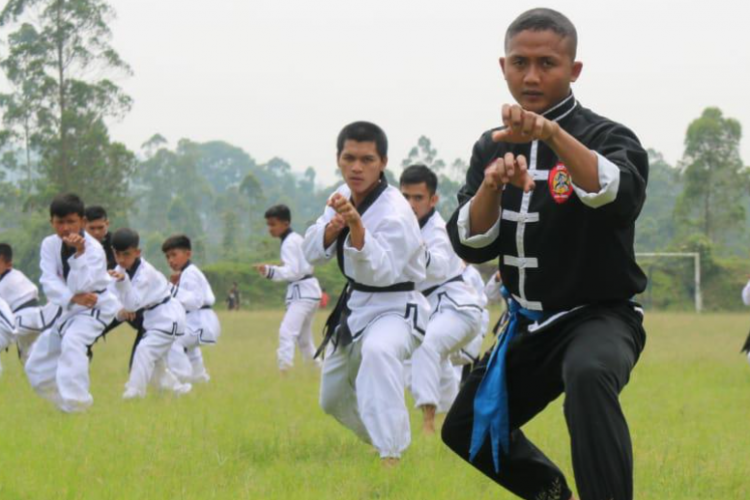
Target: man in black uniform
x=554, y=194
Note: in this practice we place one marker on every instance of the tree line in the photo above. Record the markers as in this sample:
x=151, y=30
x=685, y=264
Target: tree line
x=61, y=92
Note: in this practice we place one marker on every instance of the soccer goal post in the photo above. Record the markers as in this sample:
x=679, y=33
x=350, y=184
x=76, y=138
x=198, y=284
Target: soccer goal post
x=696, y=258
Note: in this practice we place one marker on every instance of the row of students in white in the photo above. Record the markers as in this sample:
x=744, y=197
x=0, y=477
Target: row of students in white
x=84, y=301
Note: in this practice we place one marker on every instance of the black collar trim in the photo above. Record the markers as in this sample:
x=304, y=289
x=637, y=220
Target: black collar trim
x=286, y=234
x=424, y=220
x=5, y=274
x=561, y=109
x=134, y=268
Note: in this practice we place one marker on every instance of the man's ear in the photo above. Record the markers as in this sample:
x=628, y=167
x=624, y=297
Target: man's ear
x=434, y=199
x=576, y=72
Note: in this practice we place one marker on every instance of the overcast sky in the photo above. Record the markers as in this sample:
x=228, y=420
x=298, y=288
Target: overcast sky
x=281, y=77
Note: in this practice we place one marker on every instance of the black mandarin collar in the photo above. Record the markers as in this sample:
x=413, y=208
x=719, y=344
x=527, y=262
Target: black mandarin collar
x=5, y=274
x=561, y=109
x=286, y=234
x=187, y=264
x=424, y=220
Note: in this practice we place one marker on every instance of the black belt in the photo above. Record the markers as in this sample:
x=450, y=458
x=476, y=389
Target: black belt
x=26, y=305
x=336, y=329
x=200, y=309
x=430, y=290
x=151, y=308
x=303, y=278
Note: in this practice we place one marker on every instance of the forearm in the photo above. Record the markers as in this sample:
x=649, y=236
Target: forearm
x=357, y=235
x=582, y=163
x=485, y=209
x=330, y=235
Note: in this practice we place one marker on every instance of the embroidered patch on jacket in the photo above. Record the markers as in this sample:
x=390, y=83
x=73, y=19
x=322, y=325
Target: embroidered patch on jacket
x=560, y=183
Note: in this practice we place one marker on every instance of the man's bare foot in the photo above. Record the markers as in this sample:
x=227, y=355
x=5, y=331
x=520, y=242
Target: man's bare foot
x=390, y=462
x=428, y=419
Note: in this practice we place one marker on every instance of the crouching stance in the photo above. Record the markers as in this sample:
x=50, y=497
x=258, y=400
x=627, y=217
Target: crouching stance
x=194, y=292
x=140, y=287
x=74, y=278
x=379, y=318
x=456, y=314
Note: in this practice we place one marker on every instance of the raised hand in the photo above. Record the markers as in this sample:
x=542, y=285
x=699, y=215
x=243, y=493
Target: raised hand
x=523, y=126
x=509, y=169
x=345, y=209
x=262, y=269
x=87, y=300
x=117, y=276
x=76, y=241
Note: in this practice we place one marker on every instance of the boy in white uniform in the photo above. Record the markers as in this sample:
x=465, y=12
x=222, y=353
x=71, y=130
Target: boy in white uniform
x=380, y=317
x=140, y=287
x=746, y=300
x=456, y=314
x=74, y=278
x=193, y=291
x=302, y=294
x=22, y=296
x=7, y=327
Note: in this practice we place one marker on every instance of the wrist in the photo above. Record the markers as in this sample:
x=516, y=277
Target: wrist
x=553, y=136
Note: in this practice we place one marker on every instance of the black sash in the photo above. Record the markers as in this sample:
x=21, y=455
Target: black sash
x=303, y=278
x=336, y=329
x=164, y=301
x=432, y=289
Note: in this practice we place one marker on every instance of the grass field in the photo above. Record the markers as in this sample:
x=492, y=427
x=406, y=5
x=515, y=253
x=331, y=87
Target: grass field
x=249, y=434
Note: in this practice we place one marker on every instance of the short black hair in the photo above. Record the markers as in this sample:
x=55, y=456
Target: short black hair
x=6, y=253
x=66, y=204
x=542, y=19
x=96, y=212
x=280, y=212
x=125, y=239
x=363, y=132
x=417, y=174
x=176, y=242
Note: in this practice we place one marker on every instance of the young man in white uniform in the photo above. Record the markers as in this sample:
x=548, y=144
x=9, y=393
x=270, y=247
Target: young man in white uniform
x=193, y=291
x=380, y=316
x=140, y=287
x=7, y=327
x=469, y=354
x=302, y=293
x=456, y=314
x=74, y=278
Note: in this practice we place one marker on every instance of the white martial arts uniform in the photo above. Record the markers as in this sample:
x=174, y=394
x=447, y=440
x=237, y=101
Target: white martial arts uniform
x=455, y=320
x=144, y=288
x=470, y=352
x=22, y=295
x=362, y=382
x=201, y=325
x=302, y=300
x=7, y=327
x=58, y=368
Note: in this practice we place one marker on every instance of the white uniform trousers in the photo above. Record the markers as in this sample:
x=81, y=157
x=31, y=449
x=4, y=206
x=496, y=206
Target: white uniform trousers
x=296, y=329
x=185, y=359
x=58, y=368
x=150, y=365
x=450, y=383
x=447, y=331
x=362, y=385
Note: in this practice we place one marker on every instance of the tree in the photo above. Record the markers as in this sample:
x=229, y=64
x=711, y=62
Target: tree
x=423, y=153
x=58, y=66
x=655, y=227
x=714, y=177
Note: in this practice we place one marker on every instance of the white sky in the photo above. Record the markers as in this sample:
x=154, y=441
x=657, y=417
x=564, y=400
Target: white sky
x=281, y=77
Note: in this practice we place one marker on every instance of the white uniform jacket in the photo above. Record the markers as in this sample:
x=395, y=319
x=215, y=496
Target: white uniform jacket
x=393, y=253
x=22, y=296
x=444, y=285
x=87, y=274
x=295, y=270
x=145, y=288
x=195, y=294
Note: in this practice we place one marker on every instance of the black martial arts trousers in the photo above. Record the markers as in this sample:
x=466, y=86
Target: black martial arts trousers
x=587, y=354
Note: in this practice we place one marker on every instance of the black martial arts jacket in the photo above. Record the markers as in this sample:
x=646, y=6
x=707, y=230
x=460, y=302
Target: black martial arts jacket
x=559, y=247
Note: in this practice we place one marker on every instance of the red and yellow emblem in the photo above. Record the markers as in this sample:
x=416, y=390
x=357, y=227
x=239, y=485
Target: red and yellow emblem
x=560, y=183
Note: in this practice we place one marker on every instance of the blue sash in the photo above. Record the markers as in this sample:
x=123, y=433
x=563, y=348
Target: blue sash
x=491, y=400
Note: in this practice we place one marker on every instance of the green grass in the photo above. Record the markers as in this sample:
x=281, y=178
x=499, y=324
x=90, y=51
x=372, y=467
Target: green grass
x=250, y=434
